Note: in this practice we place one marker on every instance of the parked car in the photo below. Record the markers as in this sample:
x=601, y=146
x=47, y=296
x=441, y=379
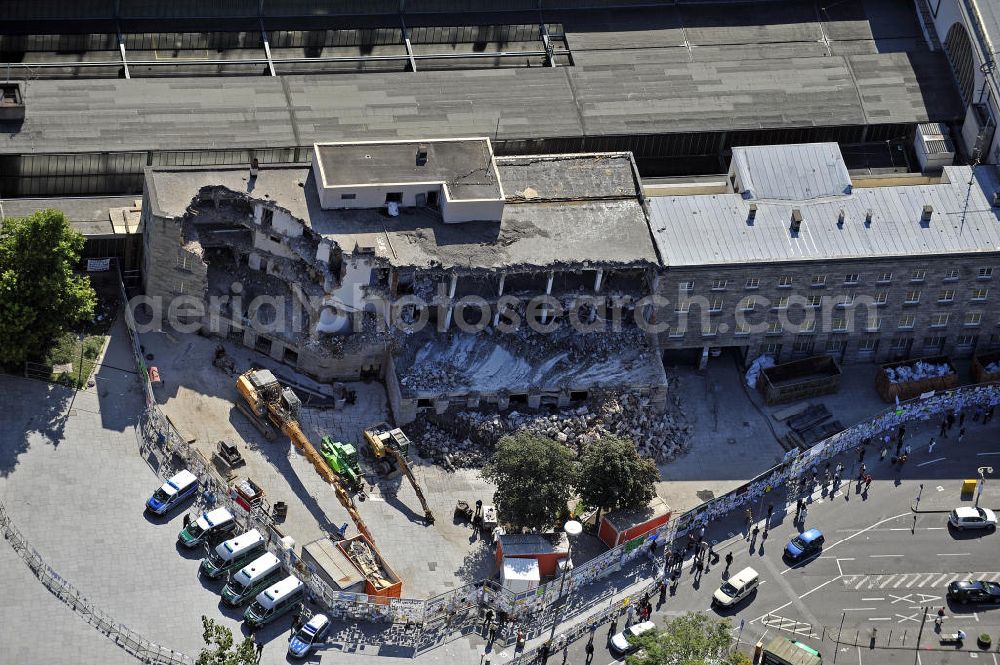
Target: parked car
x=620, y=642
x=968, y=591
x=736, y=588
x=308, y=636
x=804, y=545
x=968, y=517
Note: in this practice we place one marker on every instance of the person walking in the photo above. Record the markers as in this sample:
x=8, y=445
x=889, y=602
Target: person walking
x=258, y=648
x=861, y=454
x=961, y=434
x=899, y=446
x=988, y=416
x=902, y=432
x=729, y=560
x=884, y=452
x=868, y=482
x=950, y=418
x=862, y=471
x=944, y=429
x=589, y=649
x=961, y=418
x=187, y=520
x=930, y=446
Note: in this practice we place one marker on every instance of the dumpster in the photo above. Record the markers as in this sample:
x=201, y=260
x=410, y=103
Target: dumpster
x=799, y=379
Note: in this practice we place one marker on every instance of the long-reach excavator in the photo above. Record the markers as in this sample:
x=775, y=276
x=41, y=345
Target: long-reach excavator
x=392, y=445
x=268, y=400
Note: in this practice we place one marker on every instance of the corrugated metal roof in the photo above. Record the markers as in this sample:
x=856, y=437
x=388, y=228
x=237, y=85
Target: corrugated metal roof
x=791, y=172
x=707, y=230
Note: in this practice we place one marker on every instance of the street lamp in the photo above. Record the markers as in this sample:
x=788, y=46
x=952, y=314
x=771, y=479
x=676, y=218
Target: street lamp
x=572, y=528
x=983, y=470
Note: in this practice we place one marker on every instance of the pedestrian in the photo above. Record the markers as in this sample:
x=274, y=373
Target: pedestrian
x=493, y=632
x=930, y=446
x=630, y=617
x=836, y=478
x=886, y=440
x=295, y=624
x=906, y=450
x=961, y=434
x=868, y=482
x=711, y=551
x=988, y=416
x=565, y=650
x=187, y=519
x=258, y=647
x=944, y=429
x=589, y=649
x=701, y=533
x=940, y=617
x=961, y=419
x=729, y=560
x=612, y=627
x=899, y=446
x=749, y=515
x=699, y=567
x=663, y=592
x=840, y=469
x=861, y=454
x=770, y=511
x=543, y=653
x=902, y=432
x=885, y=451
x=862, y=471
x=950, y=418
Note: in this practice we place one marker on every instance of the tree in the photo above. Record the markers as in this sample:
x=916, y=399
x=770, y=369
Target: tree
x=612, y=475
x=40, y=296
x=534, y=478
x=219, y=648
x=692, y=639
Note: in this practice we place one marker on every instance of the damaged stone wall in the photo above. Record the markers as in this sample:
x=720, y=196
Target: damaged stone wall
x=466, y=438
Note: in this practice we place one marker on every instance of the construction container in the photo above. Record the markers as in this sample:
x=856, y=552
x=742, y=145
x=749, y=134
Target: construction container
x=889, y=391
x=545, y=548
x=799, y=379
x=623, y=525
x=333, y=566
x=389, y=585
x=979, y=364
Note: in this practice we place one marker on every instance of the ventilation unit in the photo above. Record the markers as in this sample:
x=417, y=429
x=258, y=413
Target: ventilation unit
x=933, y=146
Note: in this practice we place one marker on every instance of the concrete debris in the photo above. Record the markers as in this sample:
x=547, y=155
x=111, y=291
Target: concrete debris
x=917, y=371
x=993, y=367
x=468, y=438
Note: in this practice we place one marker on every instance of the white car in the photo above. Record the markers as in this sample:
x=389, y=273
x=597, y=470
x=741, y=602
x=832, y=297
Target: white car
x=620, y=642
x=968, y=517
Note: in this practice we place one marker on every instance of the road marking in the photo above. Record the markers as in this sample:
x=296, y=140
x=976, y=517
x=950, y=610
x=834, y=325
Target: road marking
x=938, y=581
x=884, y=556
x=960, y=554
x=984, y=455
x=939, y=459
x=876, y=598
x=859, y=609
x=880, y=618
x=859, y=656
x=975, y=615
x=899, y=582
x=927, y=579
x=887, y=580
x=909, y=618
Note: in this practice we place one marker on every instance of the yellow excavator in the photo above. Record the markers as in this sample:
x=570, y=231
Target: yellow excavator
x=391, y=445
x=269, y=401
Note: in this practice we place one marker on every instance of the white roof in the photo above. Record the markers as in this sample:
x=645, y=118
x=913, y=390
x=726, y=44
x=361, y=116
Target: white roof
x=265, y=562
x=268, y=597
x=239, y=544
x=217, y=516
x=521, y=569
x=967, y=511
x=794, y=172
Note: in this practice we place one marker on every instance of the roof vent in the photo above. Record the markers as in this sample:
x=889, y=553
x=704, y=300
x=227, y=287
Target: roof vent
x=868, y=217
x=752, y=215
x=840, y=218
x=796, y=220
x=421, y=154
x=925, y=217
x=996, y=199
x=254, y=167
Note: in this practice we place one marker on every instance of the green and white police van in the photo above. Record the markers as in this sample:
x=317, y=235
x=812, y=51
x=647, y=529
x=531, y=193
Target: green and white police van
x=252, y=579
x=210, y=527
x=274, y=601
x=233, y=554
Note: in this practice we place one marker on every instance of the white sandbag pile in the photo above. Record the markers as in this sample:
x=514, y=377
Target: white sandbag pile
x=918, y=371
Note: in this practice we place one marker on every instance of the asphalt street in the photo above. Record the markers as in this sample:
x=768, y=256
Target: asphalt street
x=883, y=563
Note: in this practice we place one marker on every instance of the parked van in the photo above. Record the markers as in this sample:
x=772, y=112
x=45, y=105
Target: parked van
x=274, y=601
x=252, y=579
x=172, y=492
x=233, y=554
x=209, y=528
x=736, y=588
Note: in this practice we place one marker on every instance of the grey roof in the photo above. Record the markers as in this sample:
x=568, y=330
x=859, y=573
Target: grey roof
x=791, y=172
x=89, y=215
x=465, y=166
x=714, y=229
x=552, y=228
x=989, y=12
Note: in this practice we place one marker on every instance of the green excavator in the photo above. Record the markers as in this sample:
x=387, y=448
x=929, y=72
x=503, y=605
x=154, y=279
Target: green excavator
x=343, y=459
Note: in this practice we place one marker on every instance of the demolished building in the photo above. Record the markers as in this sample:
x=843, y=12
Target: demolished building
x=458, y=277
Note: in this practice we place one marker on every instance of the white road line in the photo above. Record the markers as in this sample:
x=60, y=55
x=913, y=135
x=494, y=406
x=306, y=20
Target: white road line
x=869, y=528
x=913, y=581
x=876, y=598
x=957, y=554
x=861, y=583
x=975, y=615
x=926, y=580
x=880, y=618
x=984, y=455
x=938, y=581
x=939, y=459
x=859, y=656
x=886, y=581
x=899, y=581
x=884, y=556
x=859, y=609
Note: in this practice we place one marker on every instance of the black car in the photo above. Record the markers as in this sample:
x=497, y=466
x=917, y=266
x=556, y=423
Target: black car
x=974, y=592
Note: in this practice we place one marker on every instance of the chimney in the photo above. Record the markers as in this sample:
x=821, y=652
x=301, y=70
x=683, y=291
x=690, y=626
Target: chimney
x=254, y=167
x=840, y=218
x=421, y=154
x=925, y=217
x=868, y=217
x=996, y=199
x=753, y=214
x=796, y=220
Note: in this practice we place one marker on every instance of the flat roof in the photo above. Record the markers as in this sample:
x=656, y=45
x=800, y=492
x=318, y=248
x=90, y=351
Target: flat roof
x=527, y=544
x=90, y=215
x=585, y=208
x=465, y=166
x=791, y=172
x=715, y=230
x=627, y=518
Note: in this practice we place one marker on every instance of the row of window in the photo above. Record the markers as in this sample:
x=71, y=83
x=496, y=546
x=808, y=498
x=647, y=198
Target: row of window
x=868, y=345
x=852, y=279
x=842, y=325
x=912, y=297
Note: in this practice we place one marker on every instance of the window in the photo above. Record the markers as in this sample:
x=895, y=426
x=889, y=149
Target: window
x=881, y=297
x=742, y=328
x=774, y=328
x=782, y=303
x=719, y=284
x=984, y=273
x=868, y=343
x=348, y=197
x=912, y=297
x=939, y=320
x=716, y=304
x=748, y=304
x=901, y=344
x=753, y=283
x=853, y=278
x=835, y=345
x=906, y=321
x=804, y=345
x=771, y=349
x=873, y=324
x=712, y=331
x=966, y=340
x=785, y=282
x=934, y=343
x=979, y=293
x=951, y=275
x=394, y=197
x=814, y=301
x=884, y=278
x=845, y=300
x=676, y=333
x=808, y=327
x=818, y=281
x=266, y=218
x=839, y=325
x=683, y=307
x=918, y=275
x=972, y=319
x=946, y=295
x=184, y=260
x=686, y=287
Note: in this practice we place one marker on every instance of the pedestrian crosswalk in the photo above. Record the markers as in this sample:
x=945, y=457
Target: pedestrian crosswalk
x=788, y=625
x=936, y=580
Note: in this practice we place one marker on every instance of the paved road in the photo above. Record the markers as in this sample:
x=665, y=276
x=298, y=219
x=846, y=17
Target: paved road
x=882, y=565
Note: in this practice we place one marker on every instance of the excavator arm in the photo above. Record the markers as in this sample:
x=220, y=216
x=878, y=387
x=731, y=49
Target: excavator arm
x=405, y=468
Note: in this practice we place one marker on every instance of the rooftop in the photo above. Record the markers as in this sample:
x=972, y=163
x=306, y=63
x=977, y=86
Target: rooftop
x=626, y=518
x=791, y=172
x=90, y=215
x=585, y=209
x=465, y=166
x=716, y=229
x=526, y=544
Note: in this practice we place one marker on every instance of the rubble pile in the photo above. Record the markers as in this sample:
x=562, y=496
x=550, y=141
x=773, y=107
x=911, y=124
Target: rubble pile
x=438, y=376
x=468, y=438
x=993, y=367
x=917, y=371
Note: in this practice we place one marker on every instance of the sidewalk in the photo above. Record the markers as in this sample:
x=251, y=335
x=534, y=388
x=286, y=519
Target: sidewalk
x=943, y=499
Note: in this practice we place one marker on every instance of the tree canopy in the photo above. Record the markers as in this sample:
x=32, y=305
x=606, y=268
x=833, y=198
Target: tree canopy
x=694, y=638
x=40, y=296
x=612, y=475
x=219, y=649
x=534, y=476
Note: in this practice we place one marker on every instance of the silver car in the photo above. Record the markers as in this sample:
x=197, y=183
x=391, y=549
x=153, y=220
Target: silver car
x=968, y=517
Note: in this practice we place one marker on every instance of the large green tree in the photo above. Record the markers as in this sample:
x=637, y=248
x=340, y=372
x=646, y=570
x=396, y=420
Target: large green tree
x=534, y=476
x=613, y=475
x=219, y=649
x=694, y=638
x=40, y=296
